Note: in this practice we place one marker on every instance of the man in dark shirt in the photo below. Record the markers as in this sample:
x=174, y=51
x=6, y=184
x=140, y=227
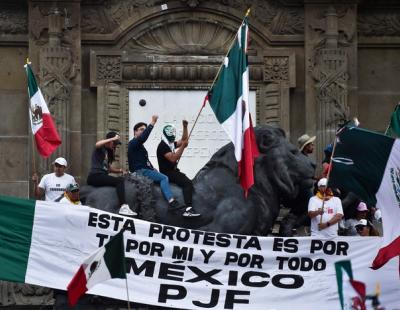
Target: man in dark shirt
x=139, y=162
x=169, y=152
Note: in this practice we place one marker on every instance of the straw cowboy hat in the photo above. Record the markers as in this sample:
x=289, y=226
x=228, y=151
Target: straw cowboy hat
x=304, y=140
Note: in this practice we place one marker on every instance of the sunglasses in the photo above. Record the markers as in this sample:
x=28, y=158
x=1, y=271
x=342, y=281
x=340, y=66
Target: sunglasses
x=75, y=191
x=58, y=165
x=359, y=228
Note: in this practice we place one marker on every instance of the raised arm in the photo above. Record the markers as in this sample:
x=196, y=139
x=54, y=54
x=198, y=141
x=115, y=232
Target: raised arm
x=142, y=138
x=101, y=143
x=185, y=133
x=175, y=156
x=39, y=192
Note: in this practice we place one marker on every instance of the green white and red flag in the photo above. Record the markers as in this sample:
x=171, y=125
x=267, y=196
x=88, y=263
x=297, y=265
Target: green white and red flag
x=43, y=128
x=108, y=262
x=352, y=293
x=368, y=164
x=229, y=99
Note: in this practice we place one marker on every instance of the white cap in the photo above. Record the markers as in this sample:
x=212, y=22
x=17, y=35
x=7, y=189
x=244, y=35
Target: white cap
x=362, y=222
x=61, y=161
x=323, y=182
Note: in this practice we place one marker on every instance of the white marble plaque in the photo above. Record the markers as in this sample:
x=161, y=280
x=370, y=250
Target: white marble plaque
x=172, y=106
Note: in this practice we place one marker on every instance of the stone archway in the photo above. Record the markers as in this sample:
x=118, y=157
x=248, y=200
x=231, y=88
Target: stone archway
x=183, y=50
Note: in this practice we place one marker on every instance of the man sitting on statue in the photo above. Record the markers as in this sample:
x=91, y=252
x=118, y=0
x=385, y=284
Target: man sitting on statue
x=169, y=152
x=138, y=159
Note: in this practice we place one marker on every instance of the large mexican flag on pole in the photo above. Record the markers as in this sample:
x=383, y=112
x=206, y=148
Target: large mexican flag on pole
x=43, y=128
x=368, y=164
x=229, y=99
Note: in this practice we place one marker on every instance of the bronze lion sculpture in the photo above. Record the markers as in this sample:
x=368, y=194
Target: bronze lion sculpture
x=280, y=172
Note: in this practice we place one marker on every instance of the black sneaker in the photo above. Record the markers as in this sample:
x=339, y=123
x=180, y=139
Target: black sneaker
x=189, y=212
x=175, y=205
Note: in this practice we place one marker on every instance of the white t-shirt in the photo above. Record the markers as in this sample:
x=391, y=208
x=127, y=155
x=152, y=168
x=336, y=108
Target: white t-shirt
x=332, y=207
x=55, y=186
x=66, y=200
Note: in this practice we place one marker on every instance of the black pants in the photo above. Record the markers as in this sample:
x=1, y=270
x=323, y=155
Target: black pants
x=184, y=182
x=107, y=180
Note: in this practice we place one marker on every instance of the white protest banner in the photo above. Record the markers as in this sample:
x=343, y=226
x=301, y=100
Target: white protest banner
x=182, y=268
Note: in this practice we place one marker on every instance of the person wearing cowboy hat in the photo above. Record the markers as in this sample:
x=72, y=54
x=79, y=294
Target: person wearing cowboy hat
x=52, y=185
x=306, y=144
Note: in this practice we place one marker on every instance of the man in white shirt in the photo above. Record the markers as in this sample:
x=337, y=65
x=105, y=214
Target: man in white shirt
x=71, y=195
x=52, y=185
x=327, y=206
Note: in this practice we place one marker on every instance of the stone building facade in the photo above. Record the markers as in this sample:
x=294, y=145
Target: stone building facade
x=314, y=63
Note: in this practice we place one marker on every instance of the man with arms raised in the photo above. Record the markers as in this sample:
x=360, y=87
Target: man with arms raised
x=169, y=152
x=138, y=159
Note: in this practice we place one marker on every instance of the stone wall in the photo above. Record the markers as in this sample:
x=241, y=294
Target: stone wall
x=313, y=63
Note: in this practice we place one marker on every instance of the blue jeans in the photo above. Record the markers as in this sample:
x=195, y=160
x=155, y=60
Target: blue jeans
x=158, y=178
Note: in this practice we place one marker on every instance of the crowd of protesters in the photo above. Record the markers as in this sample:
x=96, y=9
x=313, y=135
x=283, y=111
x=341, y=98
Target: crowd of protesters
x=326, y=216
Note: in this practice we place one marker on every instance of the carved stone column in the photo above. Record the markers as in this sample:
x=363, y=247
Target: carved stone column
x=331, y=76
x=55, y=52
x=112, y=115
x=274, y=97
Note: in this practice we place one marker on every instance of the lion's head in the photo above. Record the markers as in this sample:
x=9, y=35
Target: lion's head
x=280, y=171
x=281, y=163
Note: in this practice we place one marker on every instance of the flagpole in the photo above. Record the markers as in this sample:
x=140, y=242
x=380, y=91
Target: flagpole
x=127, y=293
x=126, y=278
x=328, y=175
x=33, y=141
x=216, y=76
x=355, y=120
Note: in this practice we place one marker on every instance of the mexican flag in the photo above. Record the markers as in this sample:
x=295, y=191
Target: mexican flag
x=351, y=293
x=229, y=99
x=368, y=164
x=34, y=249
x=43, y=128
x=108, y=262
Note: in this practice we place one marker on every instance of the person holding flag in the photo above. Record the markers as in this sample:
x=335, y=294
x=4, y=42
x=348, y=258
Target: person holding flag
x=169, y=152
x=325, y=211
x=52, y=185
